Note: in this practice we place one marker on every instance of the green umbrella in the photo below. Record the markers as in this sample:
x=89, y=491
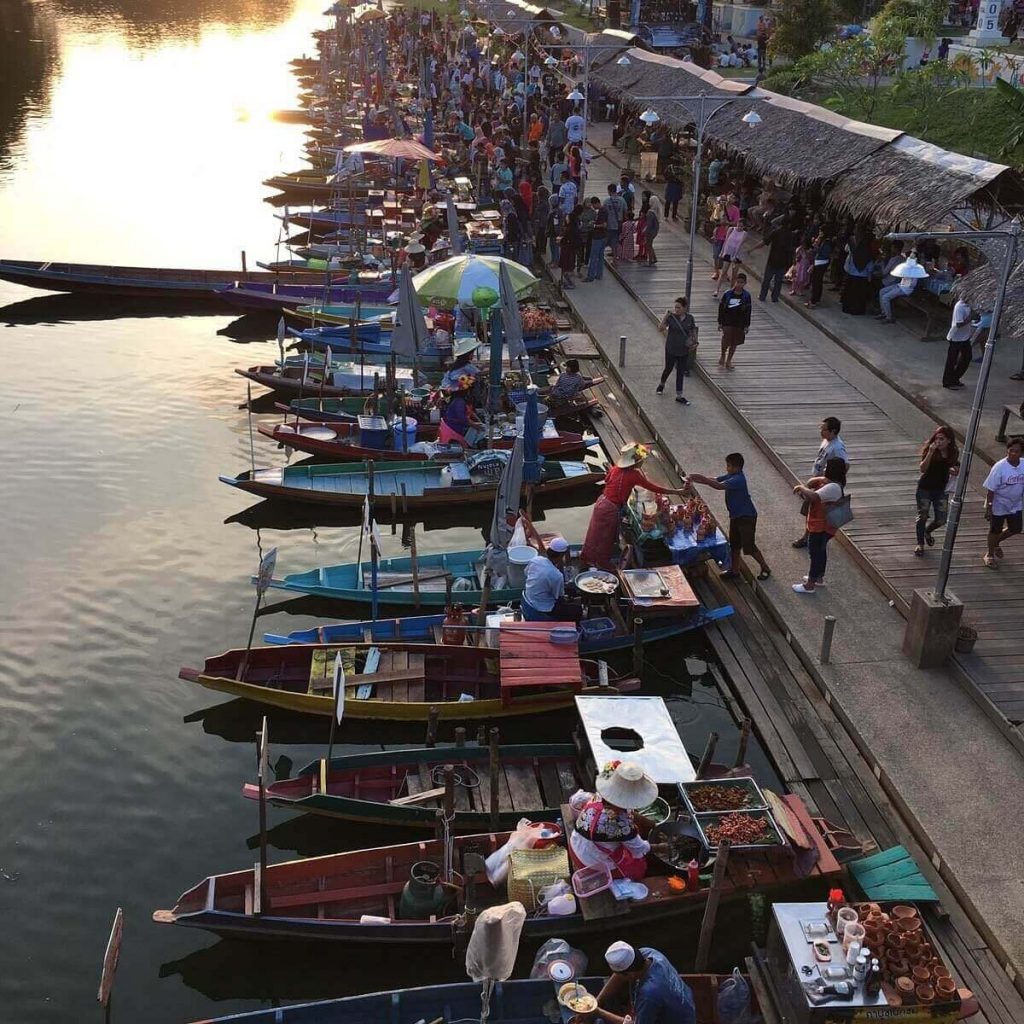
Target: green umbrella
x=458, y=277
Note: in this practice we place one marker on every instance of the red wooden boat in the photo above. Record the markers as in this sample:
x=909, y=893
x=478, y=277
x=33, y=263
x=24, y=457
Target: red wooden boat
x=339, y=442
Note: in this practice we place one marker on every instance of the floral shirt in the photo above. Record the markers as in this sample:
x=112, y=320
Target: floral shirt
x=603, y=824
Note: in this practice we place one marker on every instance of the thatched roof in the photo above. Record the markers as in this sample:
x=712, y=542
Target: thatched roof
x=867, y=170
x=980, y=285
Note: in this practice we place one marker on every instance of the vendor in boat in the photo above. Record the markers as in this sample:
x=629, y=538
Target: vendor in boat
x=603, y=532
x=464, y=350
x=569, y=383
x=416, y=254
x=646, y=986
x=459, y=417
x=605, y=831
x=544, y=591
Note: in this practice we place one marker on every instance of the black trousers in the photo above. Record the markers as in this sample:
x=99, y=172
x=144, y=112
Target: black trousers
x=678, y=363
x=958, y=358
x=817, y=282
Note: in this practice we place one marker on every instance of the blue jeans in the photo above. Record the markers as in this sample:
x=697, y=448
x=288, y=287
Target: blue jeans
x=926, y=501
x=816, y=545
x=773, y=278
x=595, y=269
x=553, y=245
x=885, y=297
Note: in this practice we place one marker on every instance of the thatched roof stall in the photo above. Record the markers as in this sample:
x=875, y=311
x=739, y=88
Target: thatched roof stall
x=796, y=143
x=979, y=287
x=915, y=184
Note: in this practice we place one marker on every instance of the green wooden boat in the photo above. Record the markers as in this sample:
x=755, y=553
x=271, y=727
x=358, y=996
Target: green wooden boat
x=387, y=787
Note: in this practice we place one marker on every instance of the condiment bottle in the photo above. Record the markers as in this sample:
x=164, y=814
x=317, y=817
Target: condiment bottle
x=451, y=631
x=860, y=969
x=693, y=876
x=873, y=982
x=852, y=953
x=836, y=899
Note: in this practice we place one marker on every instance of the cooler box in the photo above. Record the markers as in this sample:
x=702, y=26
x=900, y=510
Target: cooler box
x=373, y=432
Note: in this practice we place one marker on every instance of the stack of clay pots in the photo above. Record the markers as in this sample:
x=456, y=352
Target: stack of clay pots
x=911, y=969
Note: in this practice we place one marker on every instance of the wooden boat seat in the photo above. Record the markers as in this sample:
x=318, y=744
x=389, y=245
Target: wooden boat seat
x=408, y=667
x=320, y=896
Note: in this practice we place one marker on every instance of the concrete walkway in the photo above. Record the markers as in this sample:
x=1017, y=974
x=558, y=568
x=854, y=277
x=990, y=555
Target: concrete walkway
x=789, y=376
x=941, y=759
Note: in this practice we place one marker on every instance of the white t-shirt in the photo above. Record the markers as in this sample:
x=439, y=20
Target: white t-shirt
x=960, y=328
x=574, y=126
x=1006, y=483
x=830, y=492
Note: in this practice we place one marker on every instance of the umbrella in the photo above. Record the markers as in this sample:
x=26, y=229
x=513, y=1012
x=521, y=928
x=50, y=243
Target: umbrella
x=494, y=392
x=454, y=238
x=531, y=437
x=409, y=336
x=492, y=948
x=511, y=319
x=455, y=278
x=506, y=505
x=428, y=130
x=397, y=149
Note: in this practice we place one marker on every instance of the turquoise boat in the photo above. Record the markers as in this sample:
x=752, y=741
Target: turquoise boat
x=351, y=581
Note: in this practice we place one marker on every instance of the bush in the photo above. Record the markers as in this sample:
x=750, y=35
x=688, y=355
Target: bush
x=788, y=81
x=918, y=18
x=801, y=26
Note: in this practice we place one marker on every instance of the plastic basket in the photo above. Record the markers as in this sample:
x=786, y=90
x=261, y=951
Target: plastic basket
x=530, y=871
x=589, y=881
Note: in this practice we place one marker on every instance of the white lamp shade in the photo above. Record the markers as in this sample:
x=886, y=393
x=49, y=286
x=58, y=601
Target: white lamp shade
x=649, y=116
x=624, y=61
x=498, y=31
x=752, y=118
x=909, y=268
x=575, y=96
x=550, y=61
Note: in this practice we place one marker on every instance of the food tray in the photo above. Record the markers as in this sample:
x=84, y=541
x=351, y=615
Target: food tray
x=755, y=798
x=706, y=821
x=645, y=583
x=597, y=574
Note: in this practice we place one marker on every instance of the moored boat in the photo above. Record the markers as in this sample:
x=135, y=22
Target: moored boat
x=293, y=379
x=287, y=295
x=418, y=484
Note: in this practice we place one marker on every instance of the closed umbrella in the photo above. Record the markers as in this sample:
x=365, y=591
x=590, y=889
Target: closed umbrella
x=511, y=318
x=409, y=336
x=456, y=278
x=531, y=438
x=454, y=237
x=506, y=506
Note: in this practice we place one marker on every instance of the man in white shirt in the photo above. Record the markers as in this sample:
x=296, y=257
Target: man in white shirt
x=544, y=590
x=1004, y=500
x=575, y=126
x=832, y=447
x=958, y=354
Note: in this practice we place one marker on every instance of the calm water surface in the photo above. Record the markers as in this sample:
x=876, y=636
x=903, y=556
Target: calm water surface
x=138, y=133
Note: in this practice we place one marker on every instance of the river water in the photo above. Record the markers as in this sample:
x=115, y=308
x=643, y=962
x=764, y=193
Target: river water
x=138, y=133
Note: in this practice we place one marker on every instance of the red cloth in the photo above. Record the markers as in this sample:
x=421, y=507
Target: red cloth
x=816, y=522
x=602, y=534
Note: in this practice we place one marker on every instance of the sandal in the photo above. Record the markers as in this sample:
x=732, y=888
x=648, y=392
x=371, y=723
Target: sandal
x=929, y=539
x=764, y=574
x=999, y=551
x=919, y=551
x=989, y=561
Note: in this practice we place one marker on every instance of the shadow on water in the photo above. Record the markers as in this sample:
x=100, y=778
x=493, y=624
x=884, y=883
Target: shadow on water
x=71, y=308
x=261, y=326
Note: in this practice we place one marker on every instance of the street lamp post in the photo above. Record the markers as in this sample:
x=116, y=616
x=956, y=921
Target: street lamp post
x=1009, y=238
x=705, y=111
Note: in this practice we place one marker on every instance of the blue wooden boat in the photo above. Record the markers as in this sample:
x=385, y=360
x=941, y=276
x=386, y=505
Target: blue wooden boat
x=350, y=581
x=426, y=628
x=521, y=1001
x=420, y=484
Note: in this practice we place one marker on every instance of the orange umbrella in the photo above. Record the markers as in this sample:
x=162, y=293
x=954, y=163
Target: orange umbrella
x=408, y=149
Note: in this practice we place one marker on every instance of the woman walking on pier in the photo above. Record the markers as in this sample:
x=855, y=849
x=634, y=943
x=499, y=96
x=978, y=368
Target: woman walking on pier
x=820, y=492
x=940, y=461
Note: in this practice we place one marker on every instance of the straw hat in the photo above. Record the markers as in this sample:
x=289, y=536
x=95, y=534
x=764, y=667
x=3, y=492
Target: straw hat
x=464, y=345
x=416, y=236
x=625, y=784
x=631, y=454
x=415, y=249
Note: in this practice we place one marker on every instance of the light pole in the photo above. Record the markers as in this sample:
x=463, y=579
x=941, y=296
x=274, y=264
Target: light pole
x=705, y=111
x=1009, y=238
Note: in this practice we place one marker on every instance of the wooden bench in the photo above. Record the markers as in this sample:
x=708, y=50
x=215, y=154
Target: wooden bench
x=929, y=305
x=1008, y=411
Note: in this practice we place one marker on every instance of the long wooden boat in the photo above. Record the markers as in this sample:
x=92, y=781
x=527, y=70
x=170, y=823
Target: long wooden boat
x=326, y=220
x=355, y=896
x=291, y=380
x=426, y=629
x=528, y=675
x=340, y=442
x=521, y=1001
x=337, y=314
x=420, y=484
x=534, y=781
x=143, y=282
x=351, y=581
x=285, y=295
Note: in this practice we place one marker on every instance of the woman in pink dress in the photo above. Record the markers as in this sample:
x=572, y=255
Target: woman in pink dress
x=802, y=267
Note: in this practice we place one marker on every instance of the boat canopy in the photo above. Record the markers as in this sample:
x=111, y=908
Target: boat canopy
x=530, y=658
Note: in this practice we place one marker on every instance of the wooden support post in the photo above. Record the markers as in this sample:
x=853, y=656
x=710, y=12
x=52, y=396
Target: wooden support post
x=709, y=753
x=432, y=716
x=110, y=961
x=405, y=501
x=263, y=767
x=414, y=562
x=485, y=598
x=460, y=735
x=449, y=791
x=494, y=768
x=481, y=735
x=638, y=646
x=741, y=750
x=707, y=926
x=394, y=513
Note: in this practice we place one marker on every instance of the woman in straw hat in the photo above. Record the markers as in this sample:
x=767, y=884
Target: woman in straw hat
x=603, y=532
x=459, y=417
x=606, y=831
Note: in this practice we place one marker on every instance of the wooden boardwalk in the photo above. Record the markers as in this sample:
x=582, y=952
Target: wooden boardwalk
x=780, y=391
x=814, y=754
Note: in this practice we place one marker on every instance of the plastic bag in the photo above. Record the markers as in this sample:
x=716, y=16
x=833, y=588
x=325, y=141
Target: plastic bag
x=558, y=949
x=549, y=892
x=734, y=1000
x=518, y=535
x=523, y=838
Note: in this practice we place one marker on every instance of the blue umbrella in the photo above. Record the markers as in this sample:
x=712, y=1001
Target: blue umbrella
x=531, y=438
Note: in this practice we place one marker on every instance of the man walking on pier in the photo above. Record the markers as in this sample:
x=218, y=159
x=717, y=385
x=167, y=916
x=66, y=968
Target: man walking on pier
x=1004, y=500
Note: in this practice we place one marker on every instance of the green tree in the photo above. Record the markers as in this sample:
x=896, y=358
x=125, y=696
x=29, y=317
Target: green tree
x=854, y=71
x=1013, y=101
x=921, y=19
x=926, y=90
x=801, y=26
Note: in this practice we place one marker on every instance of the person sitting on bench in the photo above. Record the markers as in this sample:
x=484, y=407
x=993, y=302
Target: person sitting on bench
x=544, y=591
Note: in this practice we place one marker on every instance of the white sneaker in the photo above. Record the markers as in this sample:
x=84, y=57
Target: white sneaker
x=817, y=583
x=801, y=588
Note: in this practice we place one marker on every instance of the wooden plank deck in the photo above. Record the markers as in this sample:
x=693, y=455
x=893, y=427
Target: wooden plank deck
x=811, y=748
x=780, y=396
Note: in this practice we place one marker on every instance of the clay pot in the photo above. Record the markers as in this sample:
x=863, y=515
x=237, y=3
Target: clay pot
x=903, y=911
x=892, y=940
x=905, y=988
x=925, y=994
x=939, y=971
x=906, y=925
x=922, y=975
x=899, y=968
x=945, y=989
x=873, y=937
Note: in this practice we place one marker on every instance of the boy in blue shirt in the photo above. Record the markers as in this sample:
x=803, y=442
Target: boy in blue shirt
x=742, y=514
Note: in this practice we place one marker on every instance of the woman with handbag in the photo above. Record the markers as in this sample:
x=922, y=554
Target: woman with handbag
x=824, y=496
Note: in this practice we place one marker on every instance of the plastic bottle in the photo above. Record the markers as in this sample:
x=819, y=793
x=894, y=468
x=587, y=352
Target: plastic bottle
x=693, y=876
x=451, y=633
x=873, y=982
x=852, y=953
x=860, y=969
